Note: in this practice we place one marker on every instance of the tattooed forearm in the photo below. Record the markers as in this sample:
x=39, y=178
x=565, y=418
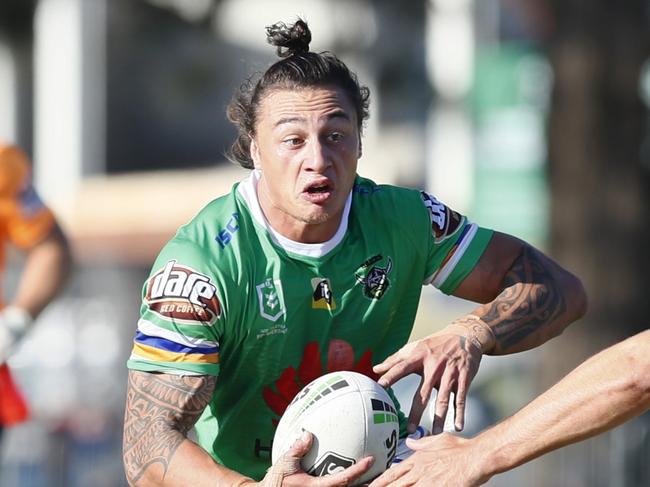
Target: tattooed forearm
x=532, y=306
x=160, y=410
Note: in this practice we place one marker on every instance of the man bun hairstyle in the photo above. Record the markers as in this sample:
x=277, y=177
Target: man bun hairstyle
x=298, y=68
x=289, y=40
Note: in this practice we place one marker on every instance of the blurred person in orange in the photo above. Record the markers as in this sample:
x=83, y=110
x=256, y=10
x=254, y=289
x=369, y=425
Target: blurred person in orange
x=27, y=224
x=606, y=390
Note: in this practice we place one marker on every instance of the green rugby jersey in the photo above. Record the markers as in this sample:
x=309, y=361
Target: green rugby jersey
x=230, y=297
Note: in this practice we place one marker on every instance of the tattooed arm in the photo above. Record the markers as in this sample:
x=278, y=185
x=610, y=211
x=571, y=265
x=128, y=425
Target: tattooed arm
x=160, y=410
x=527, y=298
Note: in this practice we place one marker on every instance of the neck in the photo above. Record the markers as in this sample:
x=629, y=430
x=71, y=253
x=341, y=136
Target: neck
x=295, y=228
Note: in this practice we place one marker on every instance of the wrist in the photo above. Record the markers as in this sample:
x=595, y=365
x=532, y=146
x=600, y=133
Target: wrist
x=489, y=458
x=14, y=323
x=475, y=330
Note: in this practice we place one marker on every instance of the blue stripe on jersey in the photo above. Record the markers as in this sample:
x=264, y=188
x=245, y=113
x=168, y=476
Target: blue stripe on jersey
x=463, y=233
x=164, y=344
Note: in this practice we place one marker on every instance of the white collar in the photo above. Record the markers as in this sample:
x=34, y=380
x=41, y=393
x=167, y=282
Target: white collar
x=248, y=190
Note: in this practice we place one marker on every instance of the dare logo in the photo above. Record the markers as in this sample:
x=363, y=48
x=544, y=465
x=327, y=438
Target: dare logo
x=180, y=293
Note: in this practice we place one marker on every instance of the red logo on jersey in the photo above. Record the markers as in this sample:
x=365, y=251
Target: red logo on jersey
x=340, y=356
x=180, y=293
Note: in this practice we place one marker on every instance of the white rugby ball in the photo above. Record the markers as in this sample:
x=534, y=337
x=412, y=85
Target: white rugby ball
x=350, y=415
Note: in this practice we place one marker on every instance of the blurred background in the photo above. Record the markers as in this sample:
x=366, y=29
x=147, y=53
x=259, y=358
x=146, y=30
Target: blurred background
x=530, y=116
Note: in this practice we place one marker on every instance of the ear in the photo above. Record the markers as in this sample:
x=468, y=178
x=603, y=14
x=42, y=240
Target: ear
x=255, y=154
x=360, y=150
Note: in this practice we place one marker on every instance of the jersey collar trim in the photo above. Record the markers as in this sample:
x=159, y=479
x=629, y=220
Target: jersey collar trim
x=247, y=189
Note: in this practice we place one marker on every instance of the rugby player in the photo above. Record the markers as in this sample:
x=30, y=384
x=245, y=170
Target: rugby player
x=306, y=268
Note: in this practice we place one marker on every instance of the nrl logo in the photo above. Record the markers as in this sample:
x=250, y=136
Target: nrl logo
x=271, y=300
x=374, y=278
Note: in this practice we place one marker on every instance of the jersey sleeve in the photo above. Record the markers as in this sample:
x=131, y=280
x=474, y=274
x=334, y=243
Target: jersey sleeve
x=177, y=332
x=455, y=245
x=25, y=217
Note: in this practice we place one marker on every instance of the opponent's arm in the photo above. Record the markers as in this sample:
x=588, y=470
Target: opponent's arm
x=160, y=411
x=603, y=392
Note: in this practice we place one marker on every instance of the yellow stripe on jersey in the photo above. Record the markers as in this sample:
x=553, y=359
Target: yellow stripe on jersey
x=156, y=354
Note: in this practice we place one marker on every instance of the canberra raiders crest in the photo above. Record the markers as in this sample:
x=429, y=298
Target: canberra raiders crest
x=373, y=277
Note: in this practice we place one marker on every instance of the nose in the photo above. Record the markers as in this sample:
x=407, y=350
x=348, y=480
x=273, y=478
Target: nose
x=318, y=157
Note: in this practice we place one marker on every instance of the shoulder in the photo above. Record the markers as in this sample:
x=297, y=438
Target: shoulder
x=203, y=228
x=396, y=206
x=200, y=243
x=367, y=192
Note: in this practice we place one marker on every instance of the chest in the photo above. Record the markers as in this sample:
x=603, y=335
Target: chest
x=331, y=315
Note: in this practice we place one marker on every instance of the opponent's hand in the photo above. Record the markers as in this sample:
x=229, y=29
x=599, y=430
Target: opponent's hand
x=442, y=460
x=14, y=323
x=286, y=471
x=446, y=361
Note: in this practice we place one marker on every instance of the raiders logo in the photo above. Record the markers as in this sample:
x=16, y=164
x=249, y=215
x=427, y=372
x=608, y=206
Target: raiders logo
x=374, y=278
x=330, y=463
x=444, y=221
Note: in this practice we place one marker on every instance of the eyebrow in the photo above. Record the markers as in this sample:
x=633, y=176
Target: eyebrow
x=330, y=116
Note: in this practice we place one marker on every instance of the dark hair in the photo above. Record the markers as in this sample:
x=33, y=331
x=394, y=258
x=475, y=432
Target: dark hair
x=297, y=68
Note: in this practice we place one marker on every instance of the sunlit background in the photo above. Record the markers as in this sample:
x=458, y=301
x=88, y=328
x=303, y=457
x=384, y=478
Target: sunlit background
x=530, y=116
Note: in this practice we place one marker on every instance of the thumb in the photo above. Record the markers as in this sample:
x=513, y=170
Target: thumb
x=289, y=462
x=420, y=443
x=300, y=446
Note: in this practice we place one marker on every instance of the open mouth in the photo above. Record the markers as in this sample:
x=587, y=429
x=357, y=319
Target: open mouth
x=321, y=188
x=318, y=191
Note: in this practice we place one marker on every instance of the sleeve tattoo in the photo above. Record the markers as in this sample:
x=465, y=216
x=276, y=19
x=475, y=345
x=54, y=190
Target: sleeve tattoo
x=160, y=411
x=532, y=301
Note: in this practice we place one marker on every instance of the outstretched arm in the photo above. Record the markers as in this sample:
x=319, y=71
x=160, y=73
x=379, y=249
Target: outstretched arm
x=603, y=392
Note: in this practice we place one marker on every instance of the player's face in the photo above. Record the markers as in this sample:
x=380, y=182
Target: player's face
x=306, y=144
